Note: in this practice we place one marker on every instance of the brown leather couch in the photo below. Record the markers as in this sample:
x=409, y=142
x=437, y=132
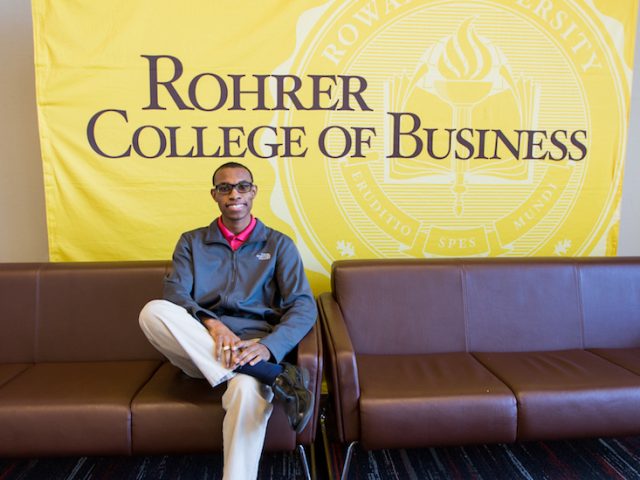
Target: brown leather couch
x=77, y=376
x=448, y=352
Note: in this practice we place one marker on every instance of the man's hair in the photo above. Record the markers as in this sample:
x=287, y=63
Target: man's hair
x=230, y=165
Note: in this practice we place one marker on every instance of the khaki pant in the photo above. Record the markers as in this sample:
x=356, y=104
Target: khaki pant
x=247, y=402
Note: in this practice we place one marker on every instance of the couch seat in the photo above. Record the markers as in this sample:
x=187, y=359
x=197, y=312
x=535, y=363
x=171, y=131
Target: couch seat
x=179, y=414
x=71, y=408
x=628, y=358
x=568, y=393
x=10, y=370
x=434, y=399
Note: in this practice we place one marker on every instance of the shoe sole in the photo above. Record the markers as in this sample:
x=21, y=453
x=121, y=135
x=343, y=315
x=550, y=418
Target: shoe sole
x=305, y=420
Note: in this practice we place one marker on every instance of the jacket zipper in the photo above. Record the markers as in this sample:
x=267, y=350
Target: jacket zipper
x=234, y=269
x=232, y=283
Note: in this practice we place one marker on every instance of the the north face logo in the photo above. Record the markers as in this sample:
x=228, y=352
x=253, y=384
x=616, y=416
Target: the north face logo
x=263, y=256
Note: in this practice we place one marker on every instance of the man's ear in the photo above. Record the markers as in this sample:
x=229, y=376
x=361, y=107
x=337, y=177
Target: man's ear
x=213, y=193
x=254, y=190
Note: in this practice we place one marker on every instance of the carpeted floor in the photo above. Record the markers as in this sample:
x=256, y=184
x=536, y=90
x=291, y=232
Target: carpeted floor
x=178, y=467
x=579, y=459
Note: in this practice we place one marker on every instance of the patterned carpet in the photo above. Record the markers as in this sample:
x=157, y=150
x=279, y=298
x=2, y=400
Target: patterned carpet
x=579, y=459
x=617, y=458
x=178, y=467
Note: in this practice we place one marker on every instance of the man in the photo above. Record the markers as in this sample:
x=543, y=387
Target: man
x=236, y=302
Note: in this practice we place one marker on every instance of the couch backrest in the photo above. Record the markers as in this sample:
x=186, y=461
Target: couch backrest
x=64, y=312
x=611, y=303
x=428, y=306
x=395, y=306
x=18, y=307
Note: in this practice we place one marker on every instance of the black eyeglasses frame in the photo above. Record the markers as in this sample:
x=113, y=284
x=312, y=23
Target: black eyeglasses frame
x=241, y=187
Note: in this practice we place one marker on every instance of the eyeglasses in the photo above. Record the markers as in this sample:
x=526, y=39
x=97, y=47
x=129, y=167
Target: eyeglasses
x=241, y=187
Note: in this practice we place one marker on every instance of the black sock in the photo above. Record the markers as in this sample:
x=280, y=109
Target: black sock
x=265, y=372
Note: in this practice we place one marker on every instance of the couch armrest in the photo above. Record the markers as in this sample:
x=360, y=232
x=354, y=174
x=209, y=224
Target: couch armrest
x=342, y=371
x=310, y=357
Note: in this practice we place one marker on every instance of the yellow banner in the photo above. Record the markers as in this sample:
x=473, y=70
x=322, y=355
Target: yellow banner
x=374, y=128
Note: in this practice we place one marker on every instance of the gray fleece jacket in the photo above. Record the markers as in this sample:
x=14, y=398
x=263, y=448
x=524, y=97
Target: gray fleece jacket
x=258, y=291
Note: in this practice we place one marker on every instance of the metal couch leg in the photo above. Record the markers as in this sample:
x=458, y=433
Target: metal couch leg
x=347, y=460
x=303, y=460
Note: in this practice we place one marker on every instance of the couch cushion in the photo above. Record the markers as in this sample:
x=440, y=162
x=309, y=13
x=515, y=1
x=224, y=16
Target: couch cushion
x=18, y=305
x=10, y=370
x=611, y=303
x=89, y=311
x=425, y=298
x=571, y=393
x=526, y=306
x=71, y=408
x=628, y=358
x=174, y=413
x=439, y=399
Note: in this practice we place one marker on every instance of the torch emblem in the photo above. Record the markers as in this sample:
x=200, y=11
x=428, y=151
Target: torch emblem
x=454, y=78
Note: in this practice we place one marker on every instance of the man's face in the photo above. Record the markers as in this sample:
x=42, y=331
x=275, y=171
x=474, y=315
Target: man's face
x=235, y=207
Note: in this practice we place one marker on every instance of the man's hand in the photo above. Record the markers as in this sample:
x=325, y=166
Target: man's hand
x=251, y=352
x=226, y=342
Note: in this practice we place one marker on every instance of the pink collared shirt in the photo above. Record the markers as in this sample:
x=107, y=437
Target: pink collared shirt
x=236, y=241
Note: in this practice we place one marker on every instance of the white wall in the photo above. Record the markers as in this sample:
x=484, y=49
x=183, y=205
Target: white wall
x=629, y=242
x=23, y=236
